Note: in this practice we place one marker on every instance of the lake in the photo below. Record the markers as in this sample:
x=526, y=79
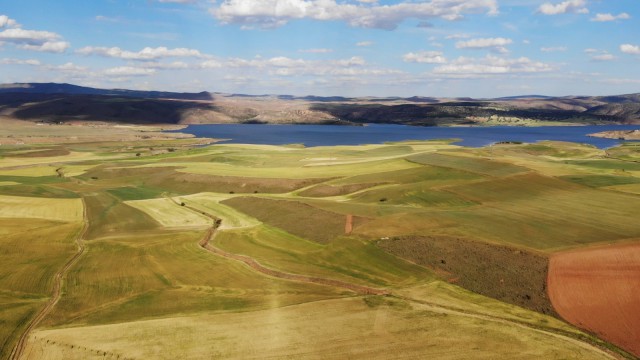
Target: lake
x=327, y=135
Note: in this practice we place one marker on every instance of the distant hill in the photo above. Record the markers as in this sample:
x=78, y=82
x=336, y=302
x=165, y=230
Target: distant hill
x=51, y=102
x=54, y=88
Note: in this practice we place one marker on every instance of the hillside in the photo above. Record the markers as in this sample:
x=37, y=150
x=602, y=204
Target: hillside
x=70, y=103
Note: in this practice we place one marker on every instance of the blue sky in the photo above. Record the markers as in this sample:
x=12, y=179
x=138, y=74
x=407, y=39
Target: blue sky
x=448, y=48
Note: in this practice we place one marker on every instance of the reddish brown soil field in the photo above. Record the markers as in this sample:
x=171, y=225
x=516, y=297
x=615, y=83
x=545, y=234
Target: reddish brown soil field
x=348, y=226
x=598, y=289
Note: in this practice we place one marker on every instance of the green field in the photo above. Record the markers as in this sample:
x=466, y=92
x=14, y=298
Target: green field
x=456, y=241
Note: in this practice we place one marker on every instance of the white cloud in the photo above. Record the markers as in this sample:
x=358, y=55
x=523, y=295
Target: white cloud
x=630, y=49
x=32, y=62
x=128, y=71
x=210, y=64
x=495, y=44
x=316, y=51
x=275, y=13
x=599, y=55
x=553, y=49
x=49, y=46
x=364, y=43
x=178, y=1
x=145, y=54
x=609, y=17
x=491, y=65
x=569, y=6
x=427, y=57
x=34, y=40
x=6, y=21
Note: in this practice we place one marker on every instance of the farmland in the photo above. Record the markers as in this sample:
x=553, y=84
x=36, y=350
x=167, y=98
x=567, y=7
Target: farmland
x=417, y=249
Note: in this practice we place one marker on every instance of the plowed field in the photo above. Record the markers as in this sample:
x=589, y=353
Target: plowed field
x=598, y=289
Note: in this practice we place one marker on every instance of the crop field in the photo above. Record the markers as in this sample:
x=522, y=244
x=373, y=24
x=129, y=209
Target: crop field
x=161, y=249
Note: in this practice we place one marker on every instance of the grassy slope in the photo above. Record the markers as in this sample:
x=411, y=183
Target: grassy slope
x=135, y=269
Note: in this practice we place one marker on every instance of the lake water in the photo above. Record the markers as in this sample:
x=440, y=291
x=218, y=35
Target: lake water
x=327, y=135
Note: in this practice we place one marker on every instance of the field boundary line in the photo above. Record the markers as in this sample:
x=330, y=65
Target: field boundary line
x=59, y=277
x=205, y=243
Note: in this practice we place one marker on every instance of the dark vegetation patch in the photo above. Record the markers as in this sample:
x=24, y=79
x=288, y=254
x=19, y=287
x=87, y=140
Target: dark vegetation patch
x=294, y=217
x=323, y=190
x=507, y=274
x=135, y=193
x=415, y=194
x=518, y=187
x=435, y=174
x=59, y=151
x=601, y=180
x=33, y=180
x=168, y=179
x=607, y=164
x=37, y=191
x=108, y=216
x=470, y=164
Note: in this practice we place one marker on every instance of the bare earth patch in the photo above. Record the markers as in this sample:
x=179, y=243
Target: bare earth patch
x=598, y=289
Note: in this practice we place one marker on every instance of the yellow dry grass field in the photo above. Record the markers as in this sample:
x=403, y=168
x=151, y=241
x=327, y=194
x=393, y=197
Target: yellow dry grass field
x=68, y=210
x=354, y=328
x=300, y=172
x=169, y=214
x=210, y=203
x=33, y=171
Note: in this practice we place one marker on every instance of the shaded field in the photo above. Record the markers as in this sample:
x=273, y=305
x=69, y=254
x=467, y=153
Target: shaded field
x=346, y=258
x=109, y=216
x=295, y=217
x=598, y=289
x=511, y=275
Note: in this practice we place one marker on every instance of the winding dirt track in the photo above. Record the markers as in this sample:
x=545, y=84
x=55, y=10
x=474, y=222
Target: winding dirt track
x=57, y=290
x=205, y=243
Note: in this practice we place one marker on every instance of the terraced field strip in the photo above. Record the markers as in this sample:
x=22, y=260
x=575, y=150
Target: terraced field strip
x=205, y=243
x=57, y=291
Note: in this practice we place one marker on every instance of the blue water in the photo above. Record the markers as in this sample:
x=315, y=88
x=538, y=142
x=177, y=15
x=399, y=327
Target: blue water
x=327, y=135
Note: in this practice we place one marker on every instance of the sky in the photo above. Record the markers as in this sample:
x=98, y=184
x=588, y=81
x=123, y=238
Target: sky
x=439, y=48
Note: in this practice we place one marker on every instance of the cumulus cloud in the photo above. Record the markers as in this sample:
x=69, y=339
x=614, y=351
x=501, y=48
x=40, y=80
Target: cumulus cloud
x=495, y=44
x=34, y=40
x=6, y=21
x=364, y=43
x=145, y=54
x=630, y=49
x=427, y=57
x=275, y=13
x=491, y=65
x=610, y=17
x=570, y=6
